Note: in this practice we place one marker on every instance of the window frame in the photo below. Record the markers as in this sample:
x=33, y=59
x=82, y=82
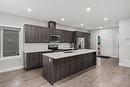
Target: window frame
x=2, y=28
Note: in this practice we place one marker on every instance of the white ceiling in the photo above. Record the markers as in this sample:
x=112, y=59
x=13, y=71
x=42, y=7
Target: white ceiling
x=74, y=11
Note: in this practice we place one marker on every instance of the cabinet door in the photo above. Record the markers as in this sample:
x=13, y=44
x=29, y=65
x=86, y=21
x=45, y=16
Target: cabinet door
x=89, y=60
x=45, y=34
x=87, y=40
x=33, y=60
x=56, y=31
x=66, y=36
x=80, y=34
x=26, y=33
x=70, y=36
x=31, y=33
x=62, y=36
x=40, y=30
x=35, y=34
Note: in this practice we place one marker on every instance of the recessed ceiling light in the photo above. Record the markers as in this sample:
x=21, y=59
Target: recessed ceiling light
x=62, y=19
x=88, y=9
x=100, y=27
x=82, y=24
x=29, y=9
x=105, y=19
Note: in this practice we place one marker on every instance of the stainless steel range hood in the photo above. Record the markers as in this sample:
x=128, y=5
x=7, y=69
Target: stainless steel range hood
x=53, y=37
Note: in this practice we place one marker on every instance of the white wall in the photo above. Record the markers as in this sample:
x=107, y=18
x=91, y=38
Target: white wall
x=124, y=42
x=18, y=21
x=104, y=32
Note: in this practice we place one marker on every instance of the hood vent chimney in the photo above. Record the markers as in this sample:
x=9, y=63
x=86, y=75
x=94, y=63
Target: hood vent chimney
x=52, y=24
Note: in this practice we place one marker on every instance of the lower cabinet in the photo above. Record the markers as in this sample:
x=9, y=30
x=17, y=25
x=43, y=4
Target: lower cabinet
x=32, y=60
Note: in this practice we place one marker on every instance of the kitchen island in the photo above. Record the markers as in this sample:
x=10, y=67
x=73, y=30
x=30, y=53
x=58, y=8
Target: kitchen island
x=62, y=64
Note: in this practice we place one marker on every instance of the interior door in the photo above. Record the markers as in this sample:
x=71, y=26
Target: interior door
x=106, y=47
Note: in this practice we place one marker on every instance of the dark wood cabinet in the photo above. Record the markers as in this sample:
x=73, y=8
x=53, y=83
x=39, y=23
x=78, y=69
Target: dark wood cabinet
x=57, y=69
x=27, y=33
x=32, y=60
x=87, y=40
x=45, y=34
x=80, y=34
x=31, y=34
x=56, y=31
x=77, y=34
x=66, y=36
x=36, y=34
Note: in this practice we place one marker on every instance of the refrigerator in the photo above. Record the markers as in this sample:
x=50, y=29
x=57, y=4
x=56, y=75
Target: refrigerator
x=80, y=42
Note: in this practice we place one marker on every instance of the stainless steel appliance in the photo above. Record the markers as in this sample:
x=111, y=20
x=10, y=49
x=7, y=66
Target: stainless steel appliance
x=55, y=38
x=80, y=42
x=53, y=46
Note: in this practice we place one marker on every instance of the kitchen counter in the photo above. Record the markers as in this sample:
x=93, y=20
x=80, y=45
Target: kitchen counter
x=41, y=50
x=37, y=50
x=57, y=66
x=59, y=55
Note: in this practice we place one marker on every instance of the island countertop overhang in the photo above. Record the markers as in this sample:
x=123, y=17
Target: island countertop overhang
x=59, y=55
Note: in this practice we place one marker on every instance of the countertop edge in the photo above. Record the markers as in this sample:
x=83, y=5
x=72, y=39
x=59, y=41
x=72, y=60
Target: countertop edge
x=69, y=55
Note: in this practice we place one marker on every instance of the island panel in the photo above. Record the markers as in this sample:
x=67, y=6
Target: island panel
x=57, y=69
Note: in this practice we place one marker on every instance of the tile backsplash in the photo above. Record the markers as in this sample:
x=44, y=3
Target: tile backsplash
x=43, y=46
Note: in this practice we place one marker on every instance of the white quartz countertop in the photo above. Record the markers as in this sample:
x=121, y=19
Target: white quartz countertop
x=58, y=55
x=40, y=50
x=37, y=50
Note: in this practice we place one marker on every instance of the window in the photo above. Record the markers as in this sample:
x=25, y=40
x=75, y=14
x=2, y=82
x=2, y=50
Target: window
x=0, y=43
x=9, y=43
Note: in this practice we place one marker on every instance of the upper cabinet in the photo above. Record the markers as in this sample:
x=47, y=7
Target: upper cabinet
x=87, y=41
x=36, y=34
x=66, y=36
x=80, y=34
x=56, y=31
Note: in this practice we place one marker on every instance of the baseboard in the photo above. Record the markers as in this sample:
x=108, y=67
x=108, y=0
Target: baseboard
x=126, y=65
x=110, y=56
x=11, y=69
x=114, y=57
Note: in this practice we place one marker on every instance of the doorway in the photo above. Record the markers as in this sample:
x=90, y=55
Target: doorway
x=108, y=42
